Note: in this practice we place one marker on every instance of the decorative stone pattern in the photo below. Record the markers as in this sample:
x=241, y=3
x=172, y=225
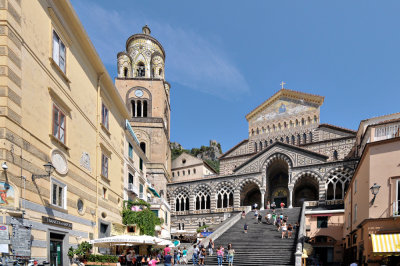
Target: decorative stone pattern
x=299, y=145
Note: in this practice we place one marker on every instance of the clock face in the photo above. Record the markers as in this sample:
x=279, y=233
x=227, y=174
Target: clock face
x=139, y=93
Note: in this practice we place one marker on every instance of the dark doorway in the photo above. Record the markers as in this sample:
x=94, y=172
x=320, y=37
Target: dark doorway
x=277, y=182
x=305, y=189
x=250, y=194
x=56, y=249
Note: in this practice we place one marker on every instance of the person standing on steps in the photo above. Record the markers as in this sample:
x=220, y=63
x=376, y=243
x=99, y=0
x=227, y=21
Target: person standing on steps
x=255, y=214
x=259, y=217
x=243, y=214
x=274, y=218
x=284, y=229
x=273, y=206
x=245, y=227
x=231, y=255
x=282, y=205
x=184, y=256
x=255, y=206
x=195, y=256
x=269, y=217
x=220, y=255
x=289, y=231
x=210, y=247
x=227, y=251
x=202, y=256
x=268, y=205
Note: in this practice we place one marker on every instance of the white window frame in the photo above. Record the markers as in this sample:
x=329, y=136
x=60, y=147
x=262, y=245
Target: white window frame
x=104, y=164
x=58, y=47
x=105, y=114
x=64, y=193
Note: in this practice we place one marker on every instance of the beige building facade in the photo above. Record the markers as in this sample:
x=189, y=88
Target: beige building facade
x=188, y=167
x=59, y=105
x=367, y=215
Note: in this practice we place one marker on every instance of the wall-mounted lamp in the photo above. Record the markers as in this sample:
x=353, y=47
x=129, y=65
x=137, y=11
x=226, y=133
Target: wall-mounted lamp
x=4, y=166
x=48, y=167
x=374, y=190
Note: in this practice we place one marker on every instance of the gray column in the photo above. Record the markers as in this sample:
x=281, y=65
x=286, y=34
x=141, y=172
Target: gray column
x=236, y=198
x=192, y=203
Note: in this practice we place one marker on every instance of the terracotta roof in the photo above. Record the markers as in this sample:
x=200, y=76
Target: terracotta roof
x=338, y=128
x=386, y=122
x=233, y=148
x=286, y=92
x=282, y=144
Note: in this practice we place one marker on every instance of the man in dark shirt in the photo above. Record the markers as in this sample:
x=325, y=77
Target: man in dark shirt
x=168, y=259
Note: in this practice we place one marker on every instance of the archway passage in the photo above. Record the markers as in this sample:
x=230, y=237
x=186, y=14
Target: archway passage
x=305, y=189
x=250, y=194
x=277, y=182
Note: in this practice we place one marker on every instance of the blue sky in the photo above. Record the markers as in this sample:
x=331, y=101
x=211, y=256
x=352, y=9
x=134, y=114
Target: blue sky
x=224, y=58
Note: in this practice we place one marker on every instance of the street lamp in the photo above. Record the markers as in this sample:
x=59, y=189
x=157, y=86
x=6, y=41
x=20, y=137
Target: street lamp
x=48, y=167
x=374, y=190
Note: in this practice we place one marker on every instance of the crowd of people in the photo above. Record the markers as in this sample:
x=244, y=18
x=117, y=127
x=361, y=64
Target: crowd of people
x=199, y=253
x=271, y=217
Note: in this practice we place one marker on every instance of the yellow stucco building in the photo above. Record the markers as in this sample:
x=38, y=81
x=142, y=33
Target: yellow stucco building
x=58, y=104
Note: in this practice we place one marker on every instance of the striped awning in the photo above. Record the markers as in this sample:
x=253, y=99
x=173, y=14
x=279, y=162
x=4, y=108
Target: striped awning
x=385, y=244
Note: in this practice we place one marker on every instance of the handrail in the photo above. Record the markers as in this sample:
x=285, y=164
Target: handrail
x=219, y=231
x=300, y=236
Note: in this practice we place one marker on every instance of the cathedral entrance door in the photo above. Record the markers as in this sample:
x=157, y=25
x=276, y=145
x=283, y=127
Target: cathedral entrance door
x=280, y=195
x=277, y=182
x=278, y=201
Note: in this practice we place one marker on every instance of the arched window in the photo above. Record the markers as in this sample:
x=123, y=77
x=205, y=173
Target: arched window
x=279, y=126
x=268, y=129
x=302, y=122
x=297, y=122
x=284, y=125
x=258, y=132
x=291, y=123
x=143, y=147
x=273, y=127
x=335, y=155
x=224, y=195
x=337, y=184
x=309, y=120
x=261, y=147
x=182, y=201
x=266, y=143
x=255, y=146
x=144, y=108
x=293, y=140
x=310, y=136
x=141, y=72
x=304, y=138
x=281, y=139
x=315, y=119
x=203, y=197
x=125, y=72
x=270, y=141
x=298, y=139
x=287, y=139
x=160, y=72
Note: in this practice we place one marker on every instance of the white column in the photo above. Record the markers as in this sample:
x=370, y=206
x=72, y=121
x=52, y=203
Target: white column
x=262, y=199
x=290, y=197
x=142, y=107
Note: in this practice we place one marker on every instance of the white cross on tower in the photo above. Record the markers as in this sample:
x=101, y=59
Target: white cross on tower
x=282, y=84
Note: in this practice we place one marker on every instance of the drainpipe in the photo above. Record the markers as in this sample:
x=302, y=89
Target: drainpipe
x=98, y=113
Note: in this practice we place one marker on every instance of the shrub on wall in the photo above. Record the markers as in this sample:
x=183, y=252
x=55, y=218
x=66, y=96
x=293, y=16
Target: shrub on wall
x=138, y=212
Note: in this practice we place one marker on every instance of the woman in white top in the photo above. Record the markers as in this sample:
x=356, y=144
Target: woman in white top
x=284, y=229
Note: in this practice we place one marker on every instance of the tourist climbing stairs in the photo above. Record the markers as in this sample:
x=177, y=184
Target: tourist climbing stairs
x=262, y=245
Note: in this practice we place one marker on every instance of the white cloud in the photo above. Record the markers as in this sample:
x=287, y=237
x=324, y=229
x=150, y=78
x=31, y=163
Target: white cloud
x=192, y=60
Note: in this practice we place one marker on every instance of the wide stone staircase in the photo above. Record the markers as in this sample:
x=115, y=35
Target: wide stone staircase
x=262, y=245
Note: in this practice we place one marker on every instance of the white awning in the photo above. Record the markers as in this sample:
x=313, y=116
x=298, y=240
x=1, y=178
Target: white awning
x=126, y=240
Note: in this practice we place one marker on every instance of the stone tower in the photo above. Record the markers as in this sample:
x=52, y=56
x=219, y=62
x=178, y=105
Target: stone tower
x=141, y=84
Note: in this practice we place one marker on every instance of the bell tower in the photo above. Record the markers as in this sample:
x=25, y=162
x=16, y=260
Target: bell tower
x=141, y=84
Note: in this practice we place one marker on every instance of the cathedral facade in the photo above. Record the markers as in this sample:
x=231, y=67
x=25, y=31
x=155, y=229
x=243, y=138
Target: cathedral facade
x=288, y=157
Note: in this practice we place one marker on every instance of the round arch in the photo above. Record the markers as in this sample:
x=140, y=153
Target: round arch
x=306, y=188
x=250, y=192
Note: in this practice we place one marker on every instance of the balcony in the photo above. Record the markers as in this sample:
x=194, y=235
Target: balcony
x=132, y=188
x=160, y=201
x=142, y=196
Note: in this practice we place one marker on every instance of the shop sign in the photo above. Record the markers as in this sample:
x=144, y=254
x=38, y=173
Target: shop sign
x=55, y=222
x=205, y=234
